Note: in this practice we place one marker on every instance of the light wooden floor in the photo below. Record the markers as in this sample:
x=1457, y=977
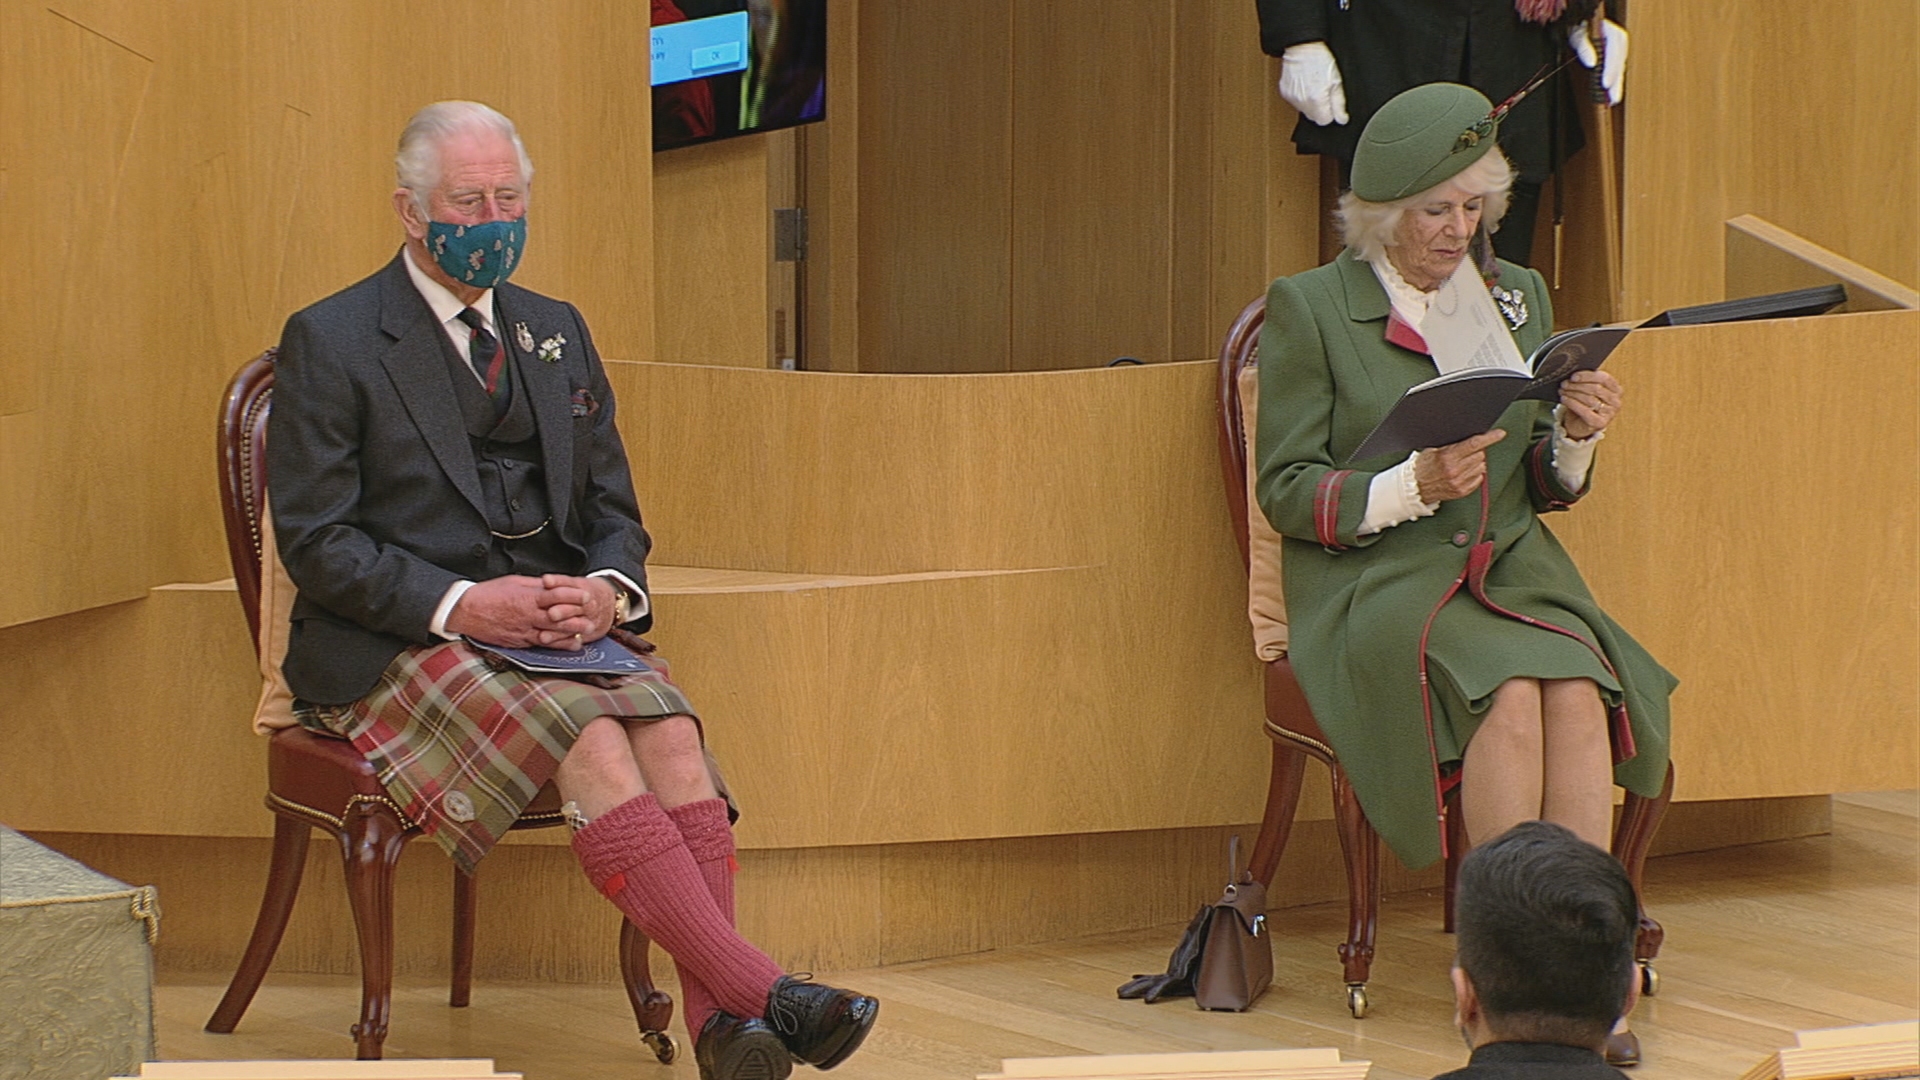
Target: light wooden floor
x=1761, y=941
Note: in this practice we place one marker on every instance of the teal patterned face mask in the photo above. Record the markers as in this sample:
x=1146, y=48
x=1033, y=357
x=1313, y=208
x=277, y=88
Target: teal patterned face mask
x=481, y=255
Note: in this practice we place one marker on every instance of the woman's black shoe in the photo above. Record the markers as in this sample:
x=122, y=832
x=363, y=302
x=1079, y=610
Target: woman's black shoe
x=729, y=1048
x=820, y=1025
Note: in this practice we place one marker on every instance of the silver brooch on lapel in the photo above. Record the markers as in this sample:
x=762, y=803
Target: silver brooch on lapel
x=550, y=349
x=1512, y=304
x=523, y=337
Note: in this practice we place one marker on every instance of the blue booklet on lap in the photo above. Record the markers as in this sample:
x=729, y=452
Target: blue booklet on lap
x=602, y=657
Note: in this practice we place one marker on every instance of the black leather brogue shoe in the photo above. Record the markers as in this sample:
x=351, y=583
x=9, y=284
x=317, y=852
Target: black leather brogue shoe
x=729, y=1048
x=820, y=1025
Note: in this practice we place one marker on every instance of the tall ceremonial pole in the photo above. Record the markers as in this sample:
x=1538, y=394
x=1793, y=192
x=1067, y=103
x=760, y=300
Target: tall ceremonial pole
x=1602, y=115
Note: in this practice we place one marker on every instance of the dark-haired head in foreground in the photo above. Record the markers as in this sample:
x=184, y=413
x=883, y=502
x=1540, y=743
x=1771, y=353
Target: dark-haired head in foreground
x=1546, y=925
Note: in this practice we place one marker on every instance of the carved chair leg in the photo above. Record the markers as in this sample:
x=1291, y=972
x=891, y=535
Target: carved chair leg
x=1632, y=837
x=370, y=846
x=290, y=836
x=652, y=1007
x=1456, y=826
x=466, y=899
x=1283, y=798
x=1361, y=847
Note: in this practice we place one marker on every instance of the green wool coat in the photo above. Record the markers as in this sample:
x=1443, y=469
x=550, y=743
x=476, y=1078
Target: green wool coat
x=1358, y=606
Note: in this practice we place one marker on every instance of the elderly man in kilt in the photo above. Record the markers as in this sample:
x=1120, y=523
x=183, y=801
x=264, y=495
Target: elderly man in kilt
x=446, y=469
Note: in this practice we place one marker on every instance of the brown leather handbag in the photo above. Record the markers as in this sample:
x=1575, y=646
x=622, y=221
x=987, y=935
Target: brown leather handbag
x=1236, y=963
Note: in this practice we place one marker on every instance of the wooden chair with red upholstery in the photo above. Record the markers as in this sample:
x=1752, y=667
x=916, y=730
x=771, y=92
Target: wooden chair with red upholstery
x=1295, y=734
x=314, y=781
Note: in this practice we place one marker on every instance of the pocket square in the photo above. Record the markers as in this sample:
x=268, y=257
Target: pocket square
x=583, y=403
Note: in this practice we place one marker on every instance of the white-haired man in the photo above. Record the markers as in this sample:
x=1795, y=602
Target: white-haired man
x=445, y=467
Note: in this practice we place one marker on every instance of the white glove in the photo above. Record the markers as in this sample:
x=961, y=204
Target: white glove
x=1612, y=74
x=1310, y=82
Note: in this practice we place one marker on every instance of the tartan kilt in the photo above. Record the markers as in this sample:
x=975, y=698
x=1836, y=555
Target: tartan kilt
x=463, y=742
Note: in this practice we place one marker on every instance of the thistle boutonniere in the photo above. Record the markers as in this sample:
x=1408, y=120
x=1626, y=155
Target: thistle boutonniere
x=1512, y=304
x=550, y=348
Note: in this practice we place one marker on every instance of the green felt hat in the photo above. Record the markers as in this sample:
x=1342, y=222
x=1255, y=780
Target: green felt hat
x=1420, y=138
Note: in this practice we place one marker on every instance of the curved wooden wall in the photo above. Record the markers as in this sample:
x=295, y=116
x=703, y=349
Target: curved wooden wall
x=1802, y=114
x=180, y=177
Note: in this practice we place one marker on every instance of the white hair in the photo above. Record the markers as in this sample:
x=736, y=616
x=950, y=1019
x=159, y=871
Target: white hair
x=417, y=164
x=1368, y=227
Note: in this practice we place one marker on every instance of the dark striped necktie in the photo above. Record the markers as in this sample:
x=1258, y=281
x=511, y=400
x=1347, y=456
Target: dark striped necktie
x=488, y=358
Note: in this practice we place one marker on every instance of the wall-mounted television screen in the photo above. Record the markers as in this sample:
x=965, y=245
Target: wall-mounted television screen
x=734, y=67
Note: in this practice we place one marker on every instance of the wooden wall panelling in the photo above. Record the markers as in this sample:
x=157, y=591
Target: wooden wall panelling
x=1092, y=137
x=1868, y=112
x=1292, y=192
x=1580, y=298
x=88, y=755
x=832, y=166
x=77, y=96
x=813, y=908
x=967, y=707
x=935, y=204
x=1715, y=132
x=1783, y=617
x=186, y=177
x=1193, y=94
x=863, y=474
x=712, y=241
x=1764, y=258
x=1688, y=159
x=784, y=324
x=33, y=251
x=577, y=87
x=1239, y=176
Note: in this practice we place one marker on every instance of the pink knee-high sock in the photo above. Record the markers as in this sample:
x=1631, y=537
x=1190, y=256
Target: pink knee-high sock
x=709, y=839
x=635, y=856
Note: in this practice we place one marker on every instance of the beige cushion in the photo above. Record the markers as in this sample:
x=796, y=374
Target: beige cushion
x=1266, y=603
x=275, y=710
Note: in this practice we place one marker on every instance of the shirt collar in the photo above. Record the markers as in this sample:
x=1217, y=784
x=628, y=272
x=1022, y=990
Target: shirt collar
x=446, y=306
x=1410, y=302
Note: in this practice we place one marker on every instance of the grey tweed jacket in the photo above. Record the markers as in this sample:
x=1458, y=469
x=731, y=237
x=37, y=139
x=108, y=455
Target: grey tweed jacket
x=376, y=498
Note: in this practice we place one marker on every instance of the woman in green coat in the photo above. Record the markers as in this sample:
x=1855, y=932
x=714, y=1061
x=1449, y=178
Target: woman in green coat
x=1436, y=623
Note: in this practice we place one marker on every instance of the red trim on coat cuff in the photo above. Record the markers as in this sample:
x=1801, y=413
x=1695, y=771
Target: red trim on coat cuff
x=1540, y=471
x=1326, y=509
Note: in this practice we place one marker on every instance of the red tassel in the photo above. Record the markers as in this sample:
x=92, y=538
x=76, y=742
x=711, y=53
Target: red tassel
x=1539, y=11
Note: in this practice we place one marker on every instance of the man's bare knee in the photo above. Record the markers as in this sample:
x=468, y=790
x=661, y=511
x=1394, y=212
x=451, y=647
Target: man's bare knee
x=672, y=759
x=671, y=736
x=599, y=772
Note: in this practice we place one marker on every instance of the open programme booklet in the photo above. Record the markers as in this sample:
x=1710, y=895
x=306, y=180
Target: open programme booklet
x=1466, y=402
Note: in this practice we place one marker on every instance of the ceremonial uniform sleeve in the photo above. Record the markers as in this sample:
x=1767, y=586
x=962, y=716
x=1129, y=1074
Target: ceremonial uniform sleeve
x=1290, y=22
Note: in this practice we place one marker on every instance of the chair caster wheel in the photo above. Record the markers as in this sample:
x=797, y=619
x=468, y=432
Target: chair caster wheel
x=1357, y=1001
x=661, y=1044
x=1649, y=979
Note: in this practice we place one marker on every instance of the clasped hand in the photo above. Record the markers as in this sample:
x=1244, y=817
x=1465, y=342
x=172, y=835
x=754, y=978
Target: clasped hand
x=555, y=610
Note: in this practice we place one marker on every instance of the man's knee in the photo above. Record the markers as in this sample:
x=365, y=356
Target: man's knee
x=673, y=741
x=601, y=749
